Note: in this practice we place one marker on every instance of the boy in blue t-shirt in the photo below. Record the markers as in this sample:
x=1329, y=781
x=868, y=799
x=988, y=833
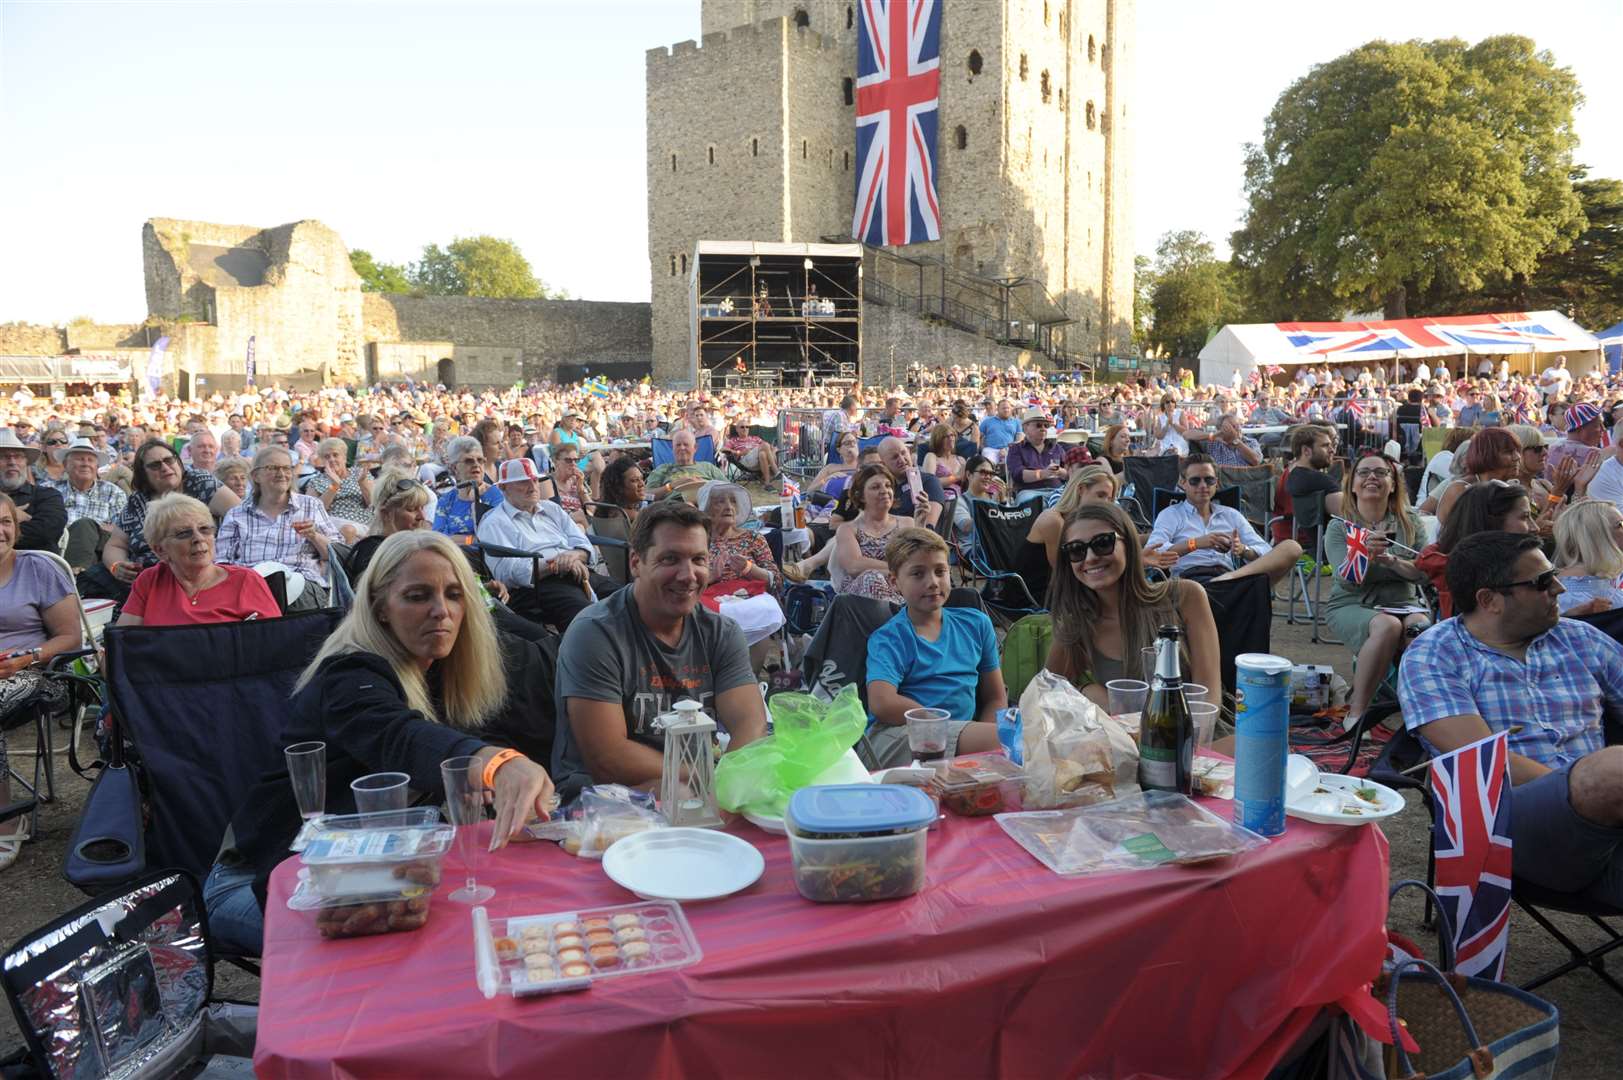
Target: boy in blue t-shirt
x=932, y=656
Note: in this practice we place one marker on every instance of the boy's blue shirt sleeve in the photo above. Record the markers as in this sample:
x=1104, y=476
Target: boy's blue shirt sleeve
x=885, y=660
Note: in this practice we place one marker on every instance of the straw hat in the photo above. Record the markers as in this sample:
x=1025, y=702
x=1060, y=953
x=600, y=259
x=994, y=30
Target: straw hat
x=9, y=441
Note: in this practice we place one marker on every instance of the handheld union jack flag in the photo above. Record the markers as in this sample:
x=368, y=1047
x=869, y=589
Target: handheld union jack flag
x=1356, y=567
x=1471, y=839
x=898, y=97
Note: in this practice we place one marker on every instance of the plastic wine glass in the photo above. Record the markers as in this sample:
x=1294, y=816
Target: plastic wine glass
x=1204, y=716
x=307, y=770
x=465, y=805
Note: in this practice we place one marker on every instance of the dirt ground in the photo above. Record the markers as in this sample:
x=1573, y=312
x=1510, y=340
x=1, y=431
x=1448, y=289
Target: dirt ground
x=33, y=891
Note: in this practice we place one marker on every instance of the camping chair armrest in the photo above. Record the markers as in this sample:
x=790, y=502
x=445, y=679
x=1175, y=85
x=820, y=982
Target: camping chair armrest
x=56, y=662
x=608, y=541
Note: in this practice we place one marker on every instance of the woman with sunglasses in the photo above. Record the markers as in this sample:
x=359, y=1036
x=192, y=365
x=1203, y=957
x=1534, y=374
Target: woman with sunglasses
x=156, y=471
x=1376, y=581
x=1589, y=557
x=1106, y=611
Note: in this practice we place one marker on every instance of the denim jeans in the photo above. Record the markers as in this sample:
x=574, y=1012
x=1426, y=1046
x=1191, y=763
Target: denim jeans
x=236, y=925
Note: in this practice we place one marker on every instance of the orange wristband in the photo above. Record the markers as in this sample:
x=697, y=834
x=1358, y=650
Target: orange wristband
x=502, y=758
x=1192, y=545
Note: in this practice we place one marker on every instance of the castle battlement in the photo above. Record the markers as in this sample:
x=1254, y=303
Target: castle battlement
x=748, y=37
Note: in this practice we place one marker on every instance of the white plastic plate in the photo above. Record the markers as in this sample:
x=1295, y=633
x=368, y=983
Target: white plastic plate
x=683, y=864
x=1334, y=800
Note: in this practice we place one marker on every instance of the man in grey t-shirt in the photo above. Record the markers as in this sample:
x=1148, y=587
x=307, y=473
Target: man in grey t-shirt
x=625, y=660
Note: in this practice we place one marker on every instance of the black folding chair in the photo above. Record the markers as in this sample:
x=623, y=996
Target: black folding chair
x=994, y=554
x=1255, y=484
x=199, y=712
x=1141, y=475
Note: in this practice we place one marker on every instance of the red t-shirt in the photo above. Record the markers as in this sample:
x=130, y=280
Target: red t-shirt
x=159, y=600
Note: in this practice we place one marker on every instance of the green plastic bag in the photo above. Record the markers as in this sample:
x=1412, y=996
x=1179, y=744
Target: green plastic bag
x=808, y=736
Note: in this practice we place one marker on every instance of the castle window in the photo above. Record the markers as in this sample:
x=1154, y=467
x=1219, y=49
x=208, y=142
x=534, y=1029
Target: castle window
x=1091, y=50
x=1025, y=67
x=803, y=149
x=673, y=266
x=848, y=161
x=1045, y=12
x=684, y=264
x=712, y=152
x=801, y=18
x=755, y=148
x=673, y=163
x=831, y=157
x=1091, y=115
x=1047, y=89
x=850, y=15
x=974, y=62
x=848, y=90
x=1062, y=99
x=960, y=135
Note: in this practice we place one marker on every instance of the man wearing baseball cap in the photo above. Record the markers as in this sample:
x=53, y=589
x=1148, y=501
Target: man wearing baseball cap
x=555, y=583
x=1586, y=434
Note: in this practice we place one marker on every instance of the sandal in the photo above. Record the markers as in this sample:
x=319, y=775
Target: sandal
x=11, y=845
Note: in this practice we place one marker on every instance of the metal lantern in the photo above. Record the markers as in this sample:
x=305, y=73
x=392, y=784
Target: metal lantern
x=688, y=784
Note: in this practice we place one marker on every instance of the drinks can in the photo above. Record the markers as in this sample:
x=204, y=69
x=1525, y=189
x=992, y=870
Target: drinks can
x=1261, y=741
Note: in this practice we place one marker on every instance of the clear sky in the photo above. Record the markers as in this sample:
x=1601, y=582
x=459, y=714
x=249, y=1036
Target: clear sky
x=400, y=124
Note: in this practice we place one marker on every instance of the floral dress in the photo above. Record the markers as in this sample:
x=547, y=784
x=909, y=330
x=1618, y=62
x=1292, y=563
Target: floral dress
x=741, y=544
x=872, y=583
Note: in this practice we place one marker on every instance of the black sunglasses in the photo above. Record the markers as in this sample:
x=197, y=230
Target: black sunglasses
x=1101, y=545
x=1543, y=583
x=1200, y=481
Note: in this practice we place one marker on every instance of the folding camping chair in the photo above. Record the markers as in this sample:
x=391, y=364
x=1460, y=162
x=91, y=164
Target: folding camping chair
x=123, y=986
x=198, y=711
x=998, y=533
x=1141, y=475
x=1310, y=516
x=704, y=450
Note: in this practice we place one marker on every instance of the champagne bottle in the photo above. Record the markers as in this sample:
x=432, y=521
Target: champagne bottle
x=1166, y=745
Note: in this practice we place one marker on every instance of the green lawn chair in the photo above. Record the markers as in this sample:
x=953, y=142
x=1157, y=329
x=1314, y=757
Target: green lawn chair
x=1025, y=652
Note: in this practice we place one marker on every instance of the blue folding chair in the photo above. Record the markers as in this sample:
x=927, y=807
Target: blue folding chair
x=704, y=449
x=862, y=444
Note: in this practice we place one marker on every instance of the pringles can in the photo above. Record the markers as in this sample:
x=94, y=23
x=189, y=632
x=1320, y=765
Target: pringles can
x=1261, y=741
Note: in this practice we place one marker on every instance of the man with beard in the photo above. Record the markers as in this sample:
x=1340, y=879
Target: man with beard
x=41, y=514
x=626, y=660
x=1311, y=448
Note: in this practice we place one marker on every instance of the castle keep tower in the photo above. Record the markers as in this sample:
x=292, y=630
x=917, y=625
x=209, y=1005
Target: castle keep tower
x=751, y=137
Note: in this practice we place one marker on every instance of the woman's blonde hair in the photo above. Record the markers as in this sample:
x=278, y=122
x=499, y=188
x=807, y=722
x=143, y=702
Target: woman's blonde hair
x=328, y=446
x=263, y=455
x=1583, y=538
x=229, y=466
x=473, y=683
x=1080, y=481
x=395, y=490
x=169, y=512
x=942, y=440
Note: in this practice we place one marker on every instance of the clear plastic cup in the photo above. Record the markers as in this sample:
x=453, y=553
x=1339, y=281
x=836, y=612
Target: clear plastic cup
x=1127, y=696
x=1147, y=653
x=380, y=792
x=307, y=770
x=1193, y=691
x=1204, y=715
x=927, y=733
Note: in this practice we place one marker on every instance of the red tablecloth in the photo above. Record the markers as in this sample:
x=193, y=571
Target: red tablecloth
x=997, y=967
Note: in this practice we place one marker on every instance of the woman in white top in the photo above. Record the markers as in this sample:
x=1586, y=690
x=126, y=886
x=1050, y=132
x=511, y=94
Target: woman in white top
x=1589, y=556
x=1167, y=428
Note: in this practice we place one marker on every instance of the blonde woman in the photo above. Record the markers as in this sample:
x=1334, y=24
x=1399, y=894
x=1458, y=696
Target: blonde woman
x=401, y=685
x=1589, y=556
x=942, y=462
x=1091, y=483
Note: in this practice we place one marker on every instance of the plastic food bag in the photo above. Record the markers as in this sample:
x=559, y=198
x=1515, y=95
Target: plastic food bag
x=808, y=736
x=1074, y=753
x=610, y=812
x=1138, y=832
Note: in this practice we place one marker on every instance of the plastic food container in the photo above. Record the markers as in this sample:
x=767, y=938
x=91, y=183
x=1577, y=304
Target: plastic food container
x=976, y=785
x=568, y=950
x=853, y=842
x=364, y=856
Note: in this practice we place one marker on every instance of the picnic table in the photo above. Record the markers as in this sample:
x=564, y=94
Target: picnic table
x=997, y=967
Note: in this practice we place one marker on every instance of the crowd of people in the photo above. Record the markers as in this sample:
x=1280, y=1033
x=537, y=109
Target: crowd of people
x=451, y=523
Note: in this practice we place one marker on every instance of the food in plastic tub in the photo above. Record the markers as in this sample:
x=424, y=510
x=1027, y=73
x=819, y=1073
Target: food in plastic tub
x=976, y=785
x=855, y=842
x=370, y=856
x=373, y=917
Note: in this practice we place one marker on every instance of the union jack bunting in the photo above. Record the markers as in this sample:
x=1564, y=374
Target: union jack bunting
x=1471, y=839
x=898, y=97
x=1356, y=566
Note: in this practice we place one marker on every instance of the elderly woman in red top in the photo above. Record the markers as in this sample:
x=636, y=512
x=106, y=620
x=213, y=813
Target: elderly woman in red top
x=188, y=586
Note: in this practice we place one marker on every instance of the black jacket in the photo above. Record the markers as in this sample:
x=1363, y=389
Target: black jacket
x=357, y=706
x=47, y=517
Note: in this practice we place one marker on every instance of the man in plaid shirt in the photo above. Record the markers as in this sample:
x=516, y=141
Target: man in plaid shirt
x=92, y=503
x=276, y=525
x=1508, y=661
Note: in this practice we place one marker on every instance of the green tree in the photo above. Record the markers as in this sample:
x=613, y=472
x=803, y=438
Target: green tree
x=1143, y=290
x=1193, y=294
x=1398, y=171
x=1586, y=280
x=477, y=266
x=379, y=277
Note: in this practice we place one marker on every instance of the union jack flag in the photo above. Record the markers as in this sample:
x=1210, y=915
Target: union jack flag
x=1356, y=566
x=898, y=97
x=1471, y=839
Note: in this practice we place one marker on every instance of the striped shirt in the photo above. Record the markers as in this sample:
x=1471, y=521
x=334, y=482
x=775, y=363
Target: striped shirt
x=1571, y=679
x=247, y=537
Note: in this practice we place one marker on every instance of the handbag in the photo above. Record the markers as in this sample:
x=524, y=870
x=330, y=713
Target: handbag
x=1464, y=1026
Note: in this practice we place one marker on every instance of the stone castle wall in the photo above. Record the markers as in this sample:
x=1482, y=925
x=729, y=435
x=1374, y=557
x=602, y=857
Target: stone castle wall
x=26, y=339
x=893, y=338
